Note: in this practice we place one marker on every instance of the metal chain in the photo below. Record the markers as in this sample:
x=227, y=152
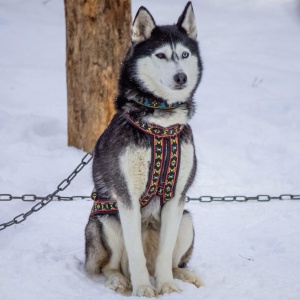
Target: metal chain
x=204, y=199
x=260, y=198
x=45, y=200
x=32, y=198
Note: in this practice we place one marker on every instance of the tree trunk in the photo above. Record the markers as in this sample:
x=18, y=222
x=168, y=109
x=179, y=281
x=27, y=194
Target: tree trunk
x=98, y=34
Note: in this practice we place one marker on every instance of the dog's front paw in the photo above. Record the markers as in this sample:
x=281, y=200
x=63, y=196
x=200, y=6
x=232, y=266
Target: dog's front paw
x=118, y=283
x=168, y=287
x=145, y=291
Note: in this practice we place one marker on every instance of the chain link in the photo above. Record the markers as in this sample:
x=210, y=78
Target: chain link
x=85, y=160
x=45, y=200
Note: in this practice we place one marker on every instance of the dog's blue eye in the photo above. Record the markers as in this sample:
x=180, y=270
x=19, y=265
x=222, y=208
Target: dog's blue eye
x=160, y=55
x=185, y=54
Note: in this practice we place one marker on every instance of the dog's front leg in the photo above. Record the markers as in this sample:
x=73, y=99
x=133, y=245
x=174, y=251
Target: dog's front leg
x=171, y=216
x=131, y=226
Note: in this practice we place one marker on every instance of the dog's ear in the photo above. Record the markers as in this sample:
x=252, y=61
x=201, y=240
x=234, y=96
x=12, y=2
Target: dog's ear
x=142, y=26
x=187, y=21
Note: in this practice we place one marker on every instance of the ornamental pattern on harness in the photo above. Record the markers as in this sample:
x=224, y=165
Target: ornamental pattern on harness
x=163, y=169
x=103, y=206
x=163, y=183
x=168, y=190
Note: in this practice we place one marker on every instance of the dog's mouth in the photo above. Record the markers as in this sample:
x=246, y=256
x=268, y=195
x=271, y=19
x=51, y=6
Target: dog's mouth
x=176, y=86
x=179, y=86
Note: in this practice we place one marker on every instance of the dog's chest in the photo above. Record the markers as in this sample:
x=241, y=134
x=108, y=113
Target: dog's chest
x=135, y=166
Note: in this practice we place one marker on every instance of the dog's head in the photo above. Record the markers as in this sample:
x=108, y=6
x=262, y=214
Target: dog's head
x=163, y=61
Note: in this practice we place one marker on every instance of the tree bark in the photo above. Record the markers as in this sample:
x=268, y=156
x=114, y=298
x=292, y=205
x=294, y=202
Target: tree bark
x=98, y=34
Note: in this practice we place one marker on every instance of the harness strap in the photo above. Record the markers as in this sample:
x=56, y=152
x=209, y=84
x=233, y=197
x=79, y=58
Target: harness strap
x=104, y=206
x=163, y=170
x=155, y=130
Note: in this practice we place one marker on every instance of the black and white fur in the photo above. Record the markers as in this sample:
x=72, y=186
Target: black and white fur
x=162, y=63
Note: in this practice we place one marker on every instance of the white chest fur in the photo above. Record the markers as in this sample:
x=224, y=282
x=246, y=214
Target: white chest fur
x=135, y=163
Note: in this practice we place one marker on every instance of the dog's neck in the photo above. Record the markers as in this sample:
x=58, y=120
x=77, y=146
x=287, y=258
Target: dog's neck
x=155, y=110
x=166, y=118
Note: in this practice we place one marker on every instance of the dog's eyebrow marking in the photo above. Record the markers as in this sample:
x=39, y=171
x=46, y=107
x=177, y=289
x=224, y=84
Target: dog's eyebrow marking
x=172, y=44
x=174, y=56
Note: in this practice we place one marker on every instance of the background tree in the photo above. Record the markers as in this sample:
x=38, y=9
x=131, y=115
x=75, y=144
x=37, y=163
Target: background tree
x=98, y=34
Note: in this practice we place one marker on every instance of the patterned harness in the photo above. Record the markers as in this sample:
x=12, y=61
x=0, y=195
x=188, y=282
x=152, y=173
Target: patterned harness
x=164, y=167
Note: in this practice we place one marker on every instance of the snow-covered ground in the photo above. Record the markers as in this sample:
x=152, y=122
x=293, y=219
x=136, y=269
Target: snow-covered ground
x=247, y=132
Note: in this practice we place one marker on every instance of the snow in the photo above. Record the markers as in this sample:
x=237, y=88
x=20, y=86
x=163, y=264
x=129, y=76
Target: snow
x=246, y=132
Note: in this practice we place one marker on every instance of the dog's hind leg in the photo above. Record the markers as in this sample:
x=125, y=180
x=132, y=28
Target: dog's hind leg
x=183, y=251
x=97, y=254
x=112, y=270
x=104, y=247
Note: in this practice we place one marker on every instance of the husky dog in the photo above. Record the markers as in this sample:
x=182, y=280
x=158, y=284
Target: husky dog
x=145, y=162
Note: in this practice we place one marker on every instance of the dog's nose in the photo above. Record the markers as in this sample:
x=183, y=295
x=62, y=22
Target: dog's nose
x=180, y=78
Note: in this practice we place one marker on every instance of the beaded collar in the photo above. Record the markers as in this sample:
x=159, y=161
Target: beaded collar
x=156, y=104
